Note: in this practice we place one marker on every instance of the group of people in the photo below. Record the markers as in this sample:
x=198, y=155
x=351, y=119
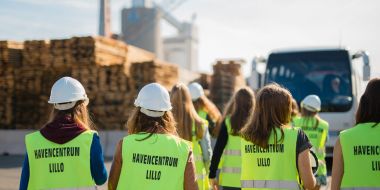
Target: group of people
x=262, y=142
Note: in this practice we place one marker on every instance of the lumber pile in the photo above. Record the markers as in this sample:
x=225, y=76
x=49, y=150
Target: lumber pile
x=110, y=74
x=109, y=91
x=153, y=71
x=36, y=53
x=227, y=78
x=98, y=51
x=10, y=53
x=10, y=58
x=98, y=63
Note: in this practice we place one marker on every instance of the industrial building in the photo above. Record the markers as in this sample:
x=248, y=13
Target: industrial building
x=141, y=27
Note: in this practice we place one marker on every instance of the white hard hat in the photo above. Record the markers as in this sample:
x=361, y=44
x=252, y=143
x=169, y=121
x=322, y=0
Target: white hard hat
x=153, y=100
x=66, y=92
x=311, y=103
x=196, y=90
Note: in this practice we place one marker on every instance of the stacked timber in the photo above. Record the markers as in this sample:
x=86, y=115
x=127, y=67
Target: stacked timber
x=29, y=89
x=227, y=78
x=36, y=53
x=153, y=71
x=98, y=63
x=112, y=104
x=98, y=51
x=10, y=53
x=60, y=53
x=10, y=58
x=110, y=74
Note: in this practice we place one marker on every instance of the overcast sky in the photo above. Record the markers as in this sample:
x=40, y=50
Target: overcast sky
x=227, y=29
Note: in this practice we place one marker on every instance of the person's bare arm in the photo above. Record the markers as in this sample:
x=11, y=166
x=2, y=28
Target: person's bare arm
x=190, y=180
x=305, y=171
x=113, y=180
x=338, y=167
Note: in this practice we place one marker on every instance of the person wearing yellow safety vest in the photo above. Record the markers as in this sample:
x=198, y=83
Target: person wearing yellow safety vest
x=204, y=107
x=274, y=156
x=66, y=153
x=316, y=130
x=356, y=161
x=227, y=146
x=152, y=156
x=192, y=128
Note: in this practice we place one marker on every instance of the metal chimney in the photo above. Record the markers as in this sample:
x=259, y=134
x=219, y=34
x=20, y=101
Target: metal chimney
x=105, y=19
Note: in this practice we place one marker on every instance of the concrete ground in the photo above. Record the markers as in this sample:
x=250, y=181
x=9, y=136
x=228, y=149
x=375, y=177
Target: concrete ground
x=10, y=171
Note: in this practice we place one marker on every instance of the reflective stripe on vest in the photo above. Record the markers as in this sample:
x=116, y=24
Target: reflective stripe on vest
x=59, y=166
x=235, y=170
x=232, y=152
x=272, y=166
x=198, y=158
x=273, y=184
x=361, y=155
x=157, y=162
x=200, y=168
x=317, y=136
x=231, y=160
x=200, y=176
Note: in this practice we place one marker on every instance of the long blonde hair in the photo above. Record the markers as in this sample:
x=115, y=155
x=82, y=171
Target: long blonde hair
x=185, y=114
x=272, y=110
x=139, y=122
x=204, y=103
x=79, y=113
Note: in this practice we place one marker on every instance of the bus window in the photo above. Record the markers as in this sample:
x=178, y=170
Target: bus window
x=324, y=73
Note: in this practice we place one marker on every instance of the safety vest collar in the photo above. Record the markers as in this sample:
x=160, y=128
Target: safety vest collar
x=272, y=184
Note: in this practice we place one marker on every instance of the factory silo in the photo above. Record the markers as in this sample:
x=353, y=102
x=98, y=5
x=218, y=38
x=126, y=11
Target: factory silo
x=141, y=26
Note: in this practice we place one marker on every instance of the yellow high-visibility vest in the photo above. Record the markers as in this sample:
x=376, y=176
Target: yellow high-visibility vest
x=231, y=165
x=59, y=166
x=361, y=155
x=158, y=162
x=203, y=114
x=317, y=136
x=200, y=167
x=273, y=167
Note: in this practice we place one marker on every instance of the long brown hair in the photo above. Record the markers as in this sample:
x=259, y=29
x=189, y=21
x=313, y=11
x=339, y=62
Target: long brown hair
x=204, y=103
x=185, y=114
x=272, y=110
x=79, y=113
x=239, y=108
x=369, y=105
x=139, y=122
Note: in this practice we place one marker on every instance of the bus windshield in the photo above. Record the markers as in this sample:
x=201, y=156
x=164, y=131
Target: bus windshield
x=324, y=73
